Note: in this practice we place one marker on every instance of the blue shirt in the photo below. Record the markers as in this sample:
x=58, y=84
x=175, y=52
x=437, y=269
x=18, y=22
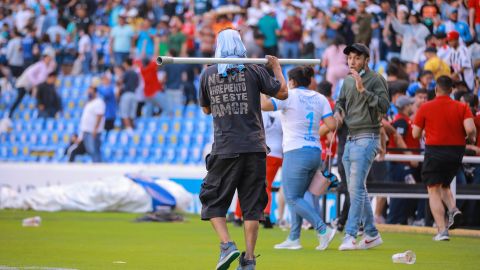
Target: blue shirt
x=27, y=47
x=108, y=95
x=122, y=38
x=144, y=39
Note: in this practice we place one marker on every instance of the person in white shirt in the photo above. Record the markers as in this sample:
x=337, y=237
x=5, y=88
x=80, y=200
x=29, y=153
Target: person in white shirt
x=300, y=115
x=92, y=124
x=274, y=136
x=85, y=51
x=459, y=59
x=15, y=54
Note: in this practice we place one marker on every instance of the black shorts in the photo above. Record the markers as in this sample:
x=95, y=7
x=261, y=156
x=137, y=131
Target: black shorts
x=109, y=124
x=226, y=173
x=441, y=164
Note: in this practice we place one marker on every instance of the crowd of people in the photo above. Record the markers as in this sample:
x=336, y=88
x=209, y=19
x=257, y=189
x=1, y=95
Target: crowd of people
x=421, y=40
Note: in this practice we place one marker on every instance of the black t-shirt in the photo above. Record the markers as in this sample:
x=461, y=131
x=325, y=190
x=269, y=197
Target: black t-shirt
x=235, y=105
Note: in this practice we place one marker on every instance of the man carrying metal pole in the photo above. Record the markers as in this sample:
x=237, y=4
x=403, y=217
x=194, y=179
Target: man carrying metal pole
x=231, y=93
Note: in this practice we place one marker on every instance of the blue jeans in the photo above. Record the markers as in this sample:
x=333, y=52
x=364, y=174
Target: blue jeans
x=92, y=146
x=86, y=63
x=119, y=57
x=359, y=154
x=159, y=100
x=291, y=49
x=299, y=166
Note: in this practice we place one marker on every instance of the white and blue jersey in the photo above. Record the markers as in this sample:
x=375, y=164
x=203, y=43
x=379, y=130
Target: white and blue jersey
x=301, y=113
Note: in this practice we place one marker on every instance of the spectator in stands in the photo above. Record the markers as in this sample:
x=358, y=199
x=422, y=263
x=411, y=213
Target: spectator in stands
x=268, y=26
x=33, y=76
x=92, y=124
x=15, y=54
x=121, y=40
x=362, y=28
x=443, y=50
x=30, y=47
x=434, y=64
x=85, y=50
x=335, y=62
x=48, y=101
x=446, y=123
x=425, y=81
x=173, y=84
x=145, y=40
x=75, y=148
x=291, y=35
x=421, y=96
x=206, y=35
x=128, y=100
x=453, y=24
x=460, y=61
x=414, y=34
x=154, y=95
x=177, y=39
x=106, y=91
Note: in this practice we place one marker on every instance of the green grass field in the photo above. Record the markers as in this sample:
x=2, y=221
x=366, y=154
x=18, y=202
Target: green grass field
x=96, y=240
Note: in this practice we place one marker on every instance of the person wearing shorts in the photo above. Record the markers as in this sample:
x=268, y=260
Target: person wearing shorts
x=128, y=100
x=231, y=94
x=446, y=123
x=301, y=116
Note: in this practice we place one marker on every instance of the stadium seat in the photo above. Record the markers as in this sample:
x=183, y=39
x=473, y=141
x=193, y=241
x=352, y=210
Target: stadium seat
x=169, y=154
x=177, y=125
x=141, y=124
x=12, y=137
x=50, y=124
x=136, y=139
x=44, y=138
x=181, y=155
x=188, y=126
x=160, y=138
x=191, y=111
x=157, y=154
x=38, y=124
x=172, y=139
x=144, y=153
x=148, y=139
x=22, y=137
x=185, y=139
x=112, y=137
x=164, y=125
x=72, y=126
x=196, y=155
x=124, y=138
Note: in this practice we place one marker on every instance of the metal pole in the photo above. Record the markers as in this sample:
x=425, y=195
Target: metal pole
x=164, y=60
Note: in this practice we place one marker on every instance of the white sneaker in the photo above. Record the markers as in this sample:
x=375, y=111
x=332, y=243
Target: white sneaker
x=326, y=238
x=289, y=244
x=370, y=242
x=348, y=243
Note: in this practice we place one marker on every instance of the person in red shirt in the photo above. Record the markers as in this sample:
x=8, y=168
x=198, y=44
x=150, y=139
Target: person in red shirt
x=292, y=34
x=474, y=18
x=447, y=124
x=325, y=88
x=153, y=90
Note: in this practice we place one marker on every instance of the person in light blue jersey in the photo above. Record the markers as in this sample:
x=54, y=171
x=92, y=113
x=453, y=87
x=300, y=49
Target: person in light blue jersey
x=300, y=115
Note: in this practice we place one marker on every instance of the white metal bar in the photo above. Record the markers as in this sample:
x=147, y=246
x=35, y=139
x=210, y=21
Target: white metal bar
x=164, y=60
x=407, y=158
x=418, y=196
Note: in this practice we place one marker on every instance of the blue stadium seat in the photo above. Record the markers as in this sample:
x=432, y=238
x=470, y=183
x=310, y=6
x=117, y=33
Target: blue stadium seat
x=33, y=138
x=178, y=111
x=141, y=124
x=196, y=155
x=157, y=154
x=185, y=139
x=23, y=137
x=176, y=125
x=172, y=139
x=38, y=124
x=72, y=126
x=112, y=137
x=3, y=138
x=124, y=139
x=12, y=137
x=18, y=125
x=50, y=124
x=148, y=139
x=152, y=125
x=169, y=154
x=144, y=153
x=191, y=111
x=160, y=138
x=164, y=125
x=182, y=155
x=199, y=139
x=44, y=138
x=188, y=126
x=136, y=139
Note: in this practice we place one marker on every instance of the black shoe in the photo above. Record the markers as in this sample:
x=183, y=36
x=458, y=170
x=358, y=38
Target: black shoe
x=267, y=224
x=455, y=217
x=245, y=264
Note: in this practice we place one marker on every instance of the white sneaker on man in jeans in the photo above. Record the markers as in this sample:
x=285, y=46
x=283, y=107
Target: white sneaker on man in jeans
x=289, y=244
x=370, y=242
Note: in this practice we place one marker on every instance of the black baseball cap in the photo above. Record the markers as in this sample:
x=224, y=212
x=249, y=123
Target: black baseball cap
x=358, y=48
